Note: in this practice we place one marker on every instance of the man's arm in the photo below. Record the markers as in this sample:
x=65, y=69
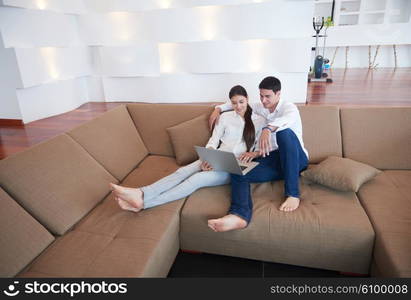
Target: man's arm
x=288, y=117
x=215, y=115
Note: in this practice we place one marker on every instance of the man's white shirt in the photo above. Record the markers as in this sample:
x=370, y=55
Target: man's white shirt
x=286, y=115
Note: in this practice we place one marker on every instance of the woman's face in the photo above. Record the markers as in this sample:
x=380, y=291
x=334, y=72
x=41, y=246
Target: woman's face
x=239, y=104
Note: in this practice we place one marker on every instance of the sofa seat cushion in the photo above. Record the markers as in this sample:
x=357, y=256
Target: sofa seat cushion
x=113, y=140
x=387, y=201
x=329, y=230
x=85, y=254
x=56, y=181
x=22, y=238
x=111, y=242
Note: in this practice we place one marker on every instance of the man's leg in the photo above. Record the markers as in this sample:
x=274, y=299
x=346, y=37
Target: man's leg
x=240, y=212
x=292, y=160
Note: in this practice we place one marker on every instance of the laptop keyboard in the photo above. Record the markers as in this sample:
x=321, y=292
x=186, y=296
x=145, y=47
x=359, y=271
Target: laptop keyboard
x=243, y=168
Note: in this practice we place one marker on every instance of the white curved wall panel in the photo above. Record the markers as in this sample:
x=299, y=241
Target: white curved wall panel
x=199, y=88
x=95, y=88
x=236, y=56
x=237, y=22
x=9, y=80
x=132, y=5
x=23, y=28
x=42, y=65
x=137, y=60
x=52, y=99
x=113, y=29
x=64, y=6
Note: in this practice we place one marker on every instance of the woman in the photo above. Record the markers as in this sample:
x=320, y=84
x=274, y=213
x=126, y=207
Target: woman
x=237, y=132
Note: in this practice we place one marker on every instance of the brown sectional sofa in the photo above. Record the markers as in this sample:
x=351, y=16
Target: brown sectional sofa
x=58, y=217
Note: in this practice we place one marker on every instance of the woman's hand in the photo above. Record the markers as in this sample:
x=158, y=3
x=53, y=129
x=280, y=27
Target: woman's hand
x=205, y=166
x=248, y=156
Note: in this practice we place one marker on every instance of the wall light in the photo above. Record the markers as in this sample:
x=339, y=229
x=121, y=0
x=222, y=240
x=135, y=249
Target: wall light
x=209, y=16
x=164, y=4
x=49, y=56
x=255, y=54
x=167, y=52
x=121, y=25
x=41, y=4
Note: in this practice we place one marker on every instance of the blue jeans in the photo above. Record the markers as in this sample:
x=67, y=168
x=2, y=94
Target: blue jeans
x=284, y=163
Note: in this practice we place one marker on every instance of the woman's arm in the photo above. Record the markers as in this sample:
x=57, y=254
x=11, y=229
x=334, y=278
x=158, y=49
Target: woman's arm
x=218, y=133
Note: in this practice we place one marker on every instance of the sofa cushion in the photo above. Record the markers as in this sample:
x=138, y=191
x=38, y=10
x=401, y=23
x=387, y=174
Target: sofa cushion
x=387, y=201
x=378, y=136
x=329, y=230
x=185, y=136
x=342, y=174
x=111, y=242
x=57, y=182
x=22, y=238
x=152, y=120
x=321, y=131
x=112, y=139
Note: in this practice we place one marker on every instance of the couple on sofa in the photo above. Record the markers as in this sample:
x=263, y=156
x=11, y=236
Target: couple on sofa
x=269, y=132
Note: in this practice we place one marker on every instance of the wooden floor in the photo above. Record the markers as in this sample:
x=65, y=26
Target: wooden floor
x=381, y=87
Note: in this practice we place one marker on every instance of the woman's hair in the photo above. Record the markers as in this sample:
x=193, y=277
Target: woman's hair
x=249, y=130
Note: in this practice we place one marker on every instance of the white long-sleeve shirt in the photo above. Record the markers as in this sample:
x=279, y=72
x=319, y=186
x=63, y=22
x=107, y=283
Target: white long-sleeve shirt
x=229, y=131
x=285, y=115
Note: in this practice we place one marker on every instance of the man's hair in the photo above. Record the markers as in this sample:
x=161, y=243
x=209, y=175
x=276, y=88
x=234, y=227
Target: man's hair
x=270, y=83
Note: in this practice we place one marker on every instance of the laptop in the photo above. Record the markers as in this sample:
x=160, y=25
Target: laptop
x=224, y=161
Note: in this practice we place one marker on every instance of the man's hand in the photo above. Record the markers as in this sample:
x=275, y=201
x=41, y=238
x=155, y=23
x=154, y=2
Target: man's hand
x=248, y=156
x=265, y=142
x=205, y=166
x=215, y=115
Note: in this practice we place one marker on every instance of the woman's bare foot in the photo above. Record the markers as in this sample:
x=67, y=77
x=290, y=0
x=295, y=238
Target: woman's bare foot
x=227, y=223
x=133, y=197
x=290, y=204
x=125, y=205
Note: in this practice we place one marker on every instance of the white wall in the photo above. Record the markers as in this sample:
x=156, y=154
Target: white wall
x=166, y=50
x=46, y=55
x=189, y=46
x=9, y=80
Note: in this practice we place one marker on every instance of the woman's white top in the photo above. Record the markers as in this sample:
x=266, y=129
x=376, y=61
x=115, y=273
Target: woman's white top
x=229, y=131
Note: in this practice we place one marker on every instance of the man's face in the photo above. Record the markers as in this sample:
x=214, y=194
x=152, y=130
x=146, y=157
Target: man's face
x=269, y=99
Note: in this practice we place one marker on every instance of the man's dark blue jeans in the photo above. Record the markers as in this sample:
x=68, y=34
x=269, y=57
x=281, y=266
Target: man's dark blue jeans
x=284, y=163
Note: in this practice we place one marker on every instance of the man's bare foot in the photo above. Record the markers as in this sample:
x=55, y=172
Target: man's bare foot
x=227, y=223
x=132, y=196
x=290, y=204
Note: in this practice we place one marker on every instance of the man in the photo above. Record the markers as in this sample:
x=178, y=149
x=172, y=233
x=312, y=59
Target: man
x=282, y=152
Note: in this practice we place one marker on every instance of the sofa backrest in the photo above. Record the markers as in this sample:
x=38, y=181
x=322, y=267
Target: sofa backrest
x=321, y=131
x=152, y=120
x=22, y=238
x=113, y=140
x=56, y=181
x=378, y=136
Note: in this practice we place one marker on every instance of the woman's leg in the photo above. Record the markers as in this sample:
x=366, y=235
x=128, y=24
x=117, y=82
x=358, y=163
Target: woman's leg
x=134, y=199
x=188, y=186
x=153, y=190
